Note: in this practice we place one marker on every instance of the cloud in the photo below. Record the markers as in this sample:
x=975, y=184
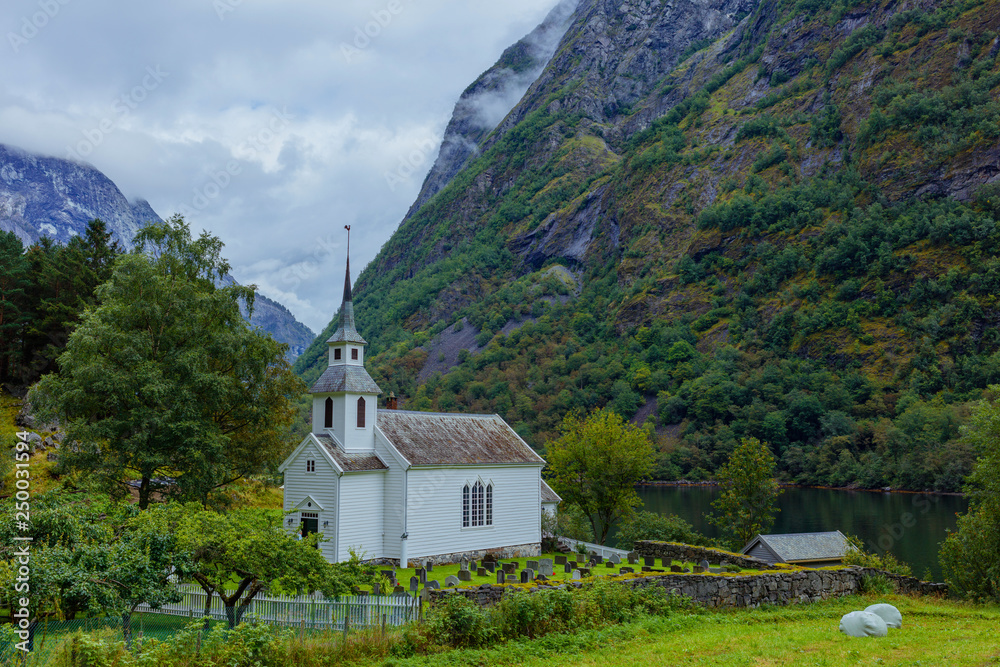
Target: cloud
x=256, y=126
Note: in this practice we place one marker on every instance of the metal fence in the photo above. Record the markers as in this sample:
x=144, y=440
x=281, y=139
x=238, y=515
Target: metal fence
x=599, y=549
x=312, y=611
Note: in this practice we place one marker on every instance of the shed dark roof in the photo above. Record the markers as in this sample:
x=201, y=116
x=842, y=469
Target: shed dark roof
x=345, y=378
x=548, y=495
x=797, y=547
x=430, y=438
x=350, y=462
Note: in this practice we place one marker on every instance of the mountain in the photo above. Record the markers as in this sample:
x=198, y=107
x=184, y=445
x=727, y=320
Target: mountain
x=722, y=219
x=51, y=197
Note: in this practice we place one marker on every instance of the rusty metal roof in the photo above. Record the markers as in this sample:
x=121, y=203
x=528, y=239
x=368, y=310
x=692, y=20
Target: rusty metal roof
x=350, y=462
x=548, y=495
x=431, y=438
x=354, y=379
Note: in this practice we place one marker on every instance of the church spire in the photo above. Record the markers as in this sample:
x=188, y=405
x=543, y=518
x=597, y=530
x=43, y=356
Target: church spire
x=346, y=331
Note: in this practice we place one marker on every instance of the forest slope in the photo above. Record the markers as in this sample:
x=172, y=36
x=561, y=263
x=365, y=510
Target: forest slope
x=724, y=220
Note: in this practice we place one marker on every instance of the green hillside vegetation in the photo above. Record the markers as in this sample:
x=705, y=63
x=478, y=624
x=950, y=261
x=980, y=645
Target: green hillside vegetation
x=801, y=266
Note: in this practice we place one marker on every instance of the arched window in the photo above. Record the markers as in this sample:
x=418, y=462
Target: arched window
x=465, y=506
x=328, y=413
x=477, y=504
x=361, y=412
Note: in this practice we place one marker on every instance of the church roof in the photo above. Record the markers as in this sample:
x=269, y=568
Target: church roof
x=548, y=495
x=350, y=462
x=430, y=438
x=354, y=379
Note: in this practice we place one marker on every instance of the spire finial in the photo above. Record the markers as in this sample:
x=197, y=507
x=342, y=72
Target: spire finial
x=347, y=278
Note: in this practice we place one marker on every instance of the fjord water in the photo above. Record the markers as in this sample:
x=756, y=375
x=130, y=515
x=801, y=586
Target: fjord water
x=909, y=525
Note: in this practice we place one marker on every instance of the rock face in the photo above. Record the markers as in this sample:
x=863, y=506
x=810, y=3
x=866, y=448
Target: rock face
x=45, y=196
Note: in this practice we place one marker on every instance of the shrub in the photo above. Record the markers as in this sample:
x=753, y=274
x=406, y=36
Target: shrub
x=662, y=527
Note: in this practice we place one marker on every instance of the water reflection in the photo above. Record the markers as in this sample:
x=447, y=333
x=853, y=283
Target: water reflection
x=910, y=526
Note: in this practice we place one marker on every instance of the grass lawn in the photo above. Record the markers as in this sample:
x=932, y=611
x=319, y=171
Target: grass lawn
x=934, y=632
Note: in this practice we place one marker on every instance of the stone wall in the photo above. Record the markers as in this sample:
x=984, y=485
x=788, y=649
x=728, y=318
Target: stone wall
x=531, y=550
x=778, y=588
x=689, y=553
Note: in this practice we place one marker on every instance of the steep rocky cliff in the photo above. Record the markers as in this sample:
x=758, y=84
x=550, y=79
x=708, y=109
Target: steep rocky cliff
x=722, y=219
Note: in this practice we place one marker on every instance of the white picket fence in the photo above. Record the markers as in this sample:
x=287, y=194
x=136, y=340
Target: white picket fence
x=311, y=611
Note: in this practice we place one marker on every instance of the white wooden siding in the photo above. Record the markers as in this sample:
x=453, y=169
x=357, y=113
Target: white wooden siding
x=434, y=512
x=393, y=498
x=321, y=486
x=361, y=526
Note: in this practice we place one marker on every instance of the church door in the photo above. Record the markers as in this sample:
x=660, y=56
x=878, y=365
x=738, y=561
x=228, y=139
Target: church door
x=309, y=523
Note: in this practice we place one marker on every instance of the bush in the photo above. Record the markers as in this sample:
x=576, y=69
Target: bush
x=856, y=555
x=458, y=621
x=662, y=527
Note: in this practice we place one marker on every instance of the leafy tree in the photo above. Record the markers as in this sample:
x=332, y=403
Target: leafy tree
x=14, y=279
x=662, y=527
x=240, y=553
x=164, y=380
x=970, y=556
x=596, y=464
x=746, y=506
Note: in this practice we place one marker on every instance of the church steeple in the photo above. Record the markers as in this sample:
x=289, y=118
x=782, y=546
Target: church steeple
x=345, y=396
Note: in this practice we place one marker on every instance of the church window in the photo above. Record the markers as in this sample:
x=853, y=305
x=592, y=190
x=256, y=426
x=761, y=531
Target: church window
x=354, y=353
x=310, y=465
x=328, y=414
x=336, y=353
x=361, y=413
x=489, y=505
x=465, y=506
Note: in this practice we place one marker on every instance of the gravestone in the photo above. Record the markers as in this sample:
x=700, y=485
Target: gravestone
x=511, y=578
x=615, y=559
x=585, y=571
x=430, y=566
x=626, y=570
x=567, y=568
x=560, y=560
x=489, y=558
x=676, y=568
x=704, y=564
x=473, y=566
x=421, y=574
x=646, y=568
x=376, y=589
x=464, y=575
x=648, y=561
x=490, y=565
x=545, y=566
x=414, y=583
x=698, y=569
x=500, y=577
x=510, y=568
x=481, y=572
x=399, y=590
x=524, y=576
x=715, y=570
x=389, y=574
x=576, y=575
x=541, y=577
x=464, y=563
x=452, y=580
x=531, y=564
x=598, y=559
x=665, y=562
x=608, y=564
x=633, y=559
x=433, y=585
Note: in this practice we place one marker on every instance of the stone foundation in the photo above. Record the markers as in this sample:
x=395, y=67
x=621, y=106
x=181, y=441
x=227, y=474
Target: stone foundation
x=777, y=588
x=692, y=554
x=516, y=551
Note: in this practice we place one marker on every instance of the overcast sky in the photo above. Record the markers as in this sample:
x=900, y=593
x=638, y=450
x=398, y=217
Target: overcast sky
x=270, y=124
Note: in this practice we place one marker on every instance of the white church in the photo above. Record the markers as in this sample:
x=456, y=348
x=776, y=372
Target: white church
x=408, y=486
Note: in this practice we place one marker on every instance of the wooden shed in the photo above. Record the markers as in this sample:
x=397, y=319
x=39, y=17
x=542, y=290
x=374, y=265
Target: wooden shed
x=810, y=549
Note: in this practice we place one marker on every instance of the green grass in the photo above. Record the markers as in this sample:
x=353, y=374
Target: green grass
x=935, y=632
